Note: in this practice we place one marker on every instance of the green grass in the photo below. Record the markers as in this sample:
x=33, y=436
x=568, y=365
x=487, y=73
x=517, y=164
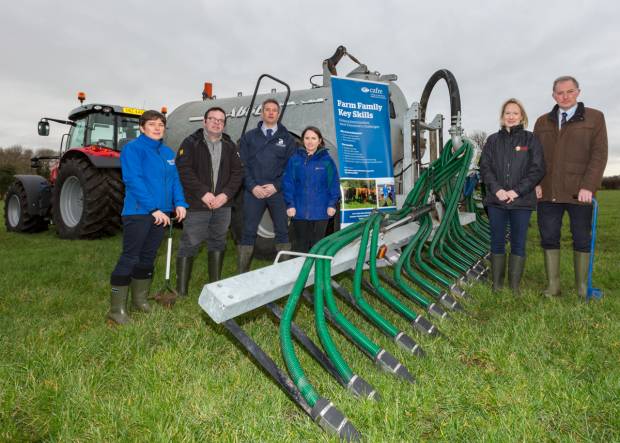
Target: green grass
x=527, y=369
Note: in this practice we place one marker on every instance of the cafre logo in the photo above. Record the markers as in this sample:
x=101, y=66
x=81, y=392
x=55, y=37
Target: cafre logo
x=366, y=90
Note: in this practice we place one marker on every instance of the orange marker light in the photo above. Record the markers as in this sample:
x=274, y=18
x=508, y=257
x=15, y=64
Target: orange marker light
x=164, y=110
x=382, y=251
x=207, y=91
x=81, y=97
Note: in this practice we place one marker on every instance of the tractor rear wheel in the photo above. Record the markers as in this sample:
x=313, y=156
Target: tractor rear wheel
x=16, y=216
x=81, y=206
x=116, y=195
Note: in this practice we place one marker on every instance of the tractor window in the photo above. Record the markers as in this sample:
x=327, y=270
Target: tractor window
x=101, y=130
x=128, y=129
x=76, y=134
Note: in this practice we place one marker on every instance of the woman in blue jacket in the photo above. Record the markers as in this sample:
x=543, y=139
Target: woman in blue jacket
x=152, y=191
x=311, y=189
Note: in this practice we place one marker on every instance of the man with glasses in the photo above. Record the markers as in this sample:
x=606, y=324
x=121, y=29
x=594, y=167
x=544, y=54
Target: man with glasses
x=265, y=150
x=574, y=140
x=211, y=174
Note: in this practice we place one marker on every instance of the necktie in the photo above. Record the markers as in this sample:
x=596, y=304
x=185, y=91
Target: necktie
x=563, y=122
x=270, y=131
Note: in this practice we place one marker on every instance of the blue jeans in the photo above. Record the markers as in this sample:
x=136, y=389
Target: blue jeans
x=141, y=240
x=253, y=209
x=519, y=221
x=550, y=224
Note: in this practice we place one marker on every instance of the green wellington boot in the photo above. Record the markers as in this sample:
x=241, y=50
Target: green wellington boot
x=118, y=305
x=216, y=262
x=139, y=293
x=552, y=269
x=244, y=258
x=184, y=273
x=516, y=264
x=498, y=270
x=581, y=263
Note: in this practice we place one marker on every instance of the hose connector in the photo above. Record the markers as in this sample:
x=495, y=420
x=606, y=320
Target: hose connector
x=425, y=326
x=362, y=389
x=328, y=417
x=436, y=310
x=457, y=291
x=388, y=363
x=408, y=344
x=449, y=302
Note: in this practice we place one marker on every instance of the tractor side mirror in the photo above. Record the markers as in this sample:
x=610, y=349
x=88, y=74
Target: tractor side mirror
x=44, y=128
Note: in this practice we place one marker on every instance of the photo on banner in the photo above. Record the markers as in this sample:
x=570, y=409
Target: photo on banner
x=362, y=122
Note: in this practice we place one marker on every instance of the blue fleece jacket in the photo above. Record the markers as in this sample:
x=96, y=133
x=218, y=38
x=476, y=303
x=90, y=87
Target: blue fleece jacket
x=311, y=184
x=151, y=178
x=264, y=159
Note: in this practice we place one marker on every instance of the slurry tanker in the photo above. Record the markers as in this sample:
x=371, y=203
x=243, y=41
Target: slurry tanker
x=83, y=196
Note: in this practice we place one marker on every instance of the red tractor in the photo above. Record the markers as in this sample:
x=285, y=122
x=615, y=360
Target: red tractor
x=84, y=195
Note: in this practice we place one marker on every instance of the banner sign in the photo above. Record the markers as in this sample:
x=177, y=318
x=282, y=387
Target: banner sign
x=362, y=122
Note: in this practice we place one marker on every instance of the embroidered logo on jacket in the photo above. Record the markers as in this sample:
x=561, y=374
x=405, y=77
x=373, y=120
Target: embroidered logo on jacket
x=280, y=142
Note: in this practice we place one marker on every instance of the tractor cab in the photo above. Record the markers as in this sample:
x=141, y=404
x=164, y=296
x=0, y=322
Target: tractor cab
x=97, y=126
x=103, y=126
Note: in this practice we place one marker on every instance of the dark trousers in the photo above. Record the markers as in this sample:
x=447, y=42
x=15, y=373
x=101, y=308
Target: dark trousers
x=307, y=233
x=518, y=219
x=253, y=209
x=550, y=224
x=141, y=240
x=204, y=226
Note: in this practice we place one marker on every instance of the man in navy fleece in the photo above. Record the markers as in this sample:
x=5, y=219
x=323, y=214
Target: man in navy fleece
x=264, y=151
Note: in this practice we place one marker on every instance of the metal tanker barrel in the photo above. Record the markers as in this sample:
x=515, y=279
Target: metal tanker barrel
x=305, y=107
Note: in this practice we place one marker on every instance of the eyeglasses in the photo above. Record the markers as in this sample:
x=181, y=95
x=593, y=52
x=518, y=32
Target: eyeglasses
x=219, y=121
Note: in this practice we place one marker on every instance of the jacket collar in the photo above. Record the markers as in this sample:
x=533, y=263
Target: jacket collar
x=513, y=130
x=279, y=128
x=577, y=117
x=149, y=142
x=319, y=152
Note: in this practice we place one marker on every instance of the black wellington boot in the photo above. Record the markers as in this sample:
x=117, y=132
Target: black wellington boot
x=184, y=273
x=216, y=262
x=244, y=258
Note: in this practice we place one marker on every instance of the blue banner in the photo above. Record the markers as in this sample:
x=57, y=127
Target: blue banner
x=362, y=122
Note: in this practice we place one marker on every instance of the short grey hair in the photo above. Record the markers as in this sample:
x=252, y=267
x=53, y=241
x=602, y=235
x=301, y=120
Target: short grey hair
x=565, y=78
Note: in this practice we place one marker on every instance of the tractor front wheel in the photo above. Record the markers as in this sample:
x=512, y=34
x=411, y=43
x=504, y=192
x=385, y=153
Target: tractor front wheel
x=16, y=216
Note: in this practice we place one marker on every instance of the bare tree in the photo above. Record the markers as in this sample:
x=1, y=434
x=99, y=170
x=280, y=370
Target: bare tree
x=478, y=137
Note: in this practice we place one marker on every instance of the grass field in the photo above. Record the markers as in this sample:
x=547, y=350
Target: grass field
x=526, y=369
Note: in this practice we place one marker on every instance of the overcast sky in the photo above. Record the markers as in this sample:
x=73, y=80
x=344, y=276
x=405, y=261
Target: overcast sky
x=147, y=54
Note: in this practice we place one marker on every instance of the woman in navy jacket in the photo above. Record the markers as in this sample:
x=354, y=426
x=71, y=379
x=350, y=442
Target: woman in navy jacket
x=311, y=189
x=152, y=191
x=511, y=166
